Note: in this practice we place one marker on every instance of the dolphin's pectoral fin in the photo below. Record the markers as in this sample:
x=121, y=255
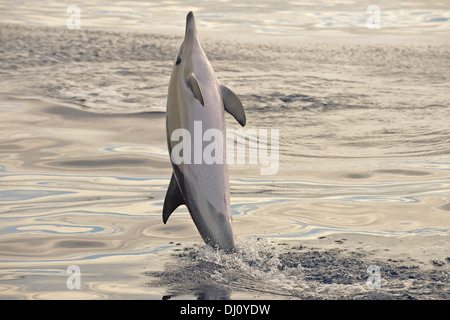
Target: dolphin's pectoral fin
x=233, y=105
x=192, y=83
x=173, y=199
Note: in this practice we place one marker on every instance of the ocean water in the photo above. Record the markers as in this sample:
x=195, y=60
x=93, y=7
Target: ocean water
x=364, y=151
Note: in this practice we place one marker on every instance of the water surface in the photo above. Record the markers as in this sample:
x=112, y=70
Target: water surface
x=363, y=176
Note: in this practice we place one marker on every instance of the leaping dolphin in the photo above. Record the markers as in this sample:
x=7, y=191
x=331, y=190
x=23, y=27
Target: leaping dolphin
x=196, y=96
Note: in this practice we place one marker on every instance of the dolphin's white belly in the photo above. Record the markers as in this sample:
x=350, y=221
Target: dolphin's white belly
x=206, y=180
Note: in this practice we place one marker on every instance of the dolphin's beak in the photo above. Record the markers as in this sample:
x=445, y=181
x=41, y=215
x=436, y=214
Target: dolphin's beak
x=191, y=29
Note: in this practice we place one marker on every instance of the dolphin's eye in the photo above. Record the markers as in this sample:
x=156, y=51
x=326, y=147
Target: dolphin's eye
x=179, y=54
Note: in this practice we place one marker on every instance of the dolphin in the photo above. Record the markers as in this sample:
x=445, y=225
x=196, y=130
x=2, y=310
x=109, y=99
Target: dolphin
x=195, y=97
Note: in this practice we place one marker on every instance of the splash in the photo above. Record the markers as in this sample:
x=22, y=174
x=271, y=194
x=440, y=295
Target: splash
x=258, y=268
x=263, y=269
x=256, y=265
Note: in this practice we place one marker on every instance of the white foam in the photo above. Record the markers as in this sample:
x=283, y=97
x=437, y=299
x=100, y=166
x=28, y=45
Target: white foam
x=256, y=265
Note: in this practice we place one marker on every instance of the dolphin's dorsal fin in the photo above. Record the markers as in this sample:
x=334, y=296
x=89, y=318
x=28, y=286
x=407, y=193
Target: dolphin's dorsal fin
x=173, y=199
x=233, y=105
x=192, y=83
